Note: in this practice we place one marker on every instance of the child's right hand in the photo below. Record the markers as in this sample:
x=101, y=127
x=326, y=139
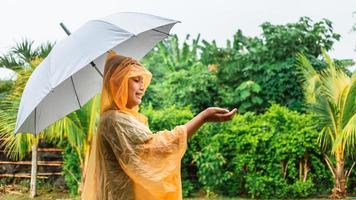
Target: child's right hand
x=216, y=114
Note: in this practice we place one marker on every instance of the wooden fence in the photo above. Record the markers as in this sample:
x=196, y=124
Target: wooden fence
x=49, y=164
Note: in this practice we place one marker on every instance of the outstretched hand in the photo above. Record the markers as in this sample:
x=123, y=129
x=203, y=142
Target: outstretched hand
x=212, y=114
x=216, y=114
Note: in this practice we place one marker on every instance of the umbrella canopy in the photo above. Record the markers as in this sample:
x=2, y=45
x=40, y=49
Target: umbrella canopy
x=66, y=80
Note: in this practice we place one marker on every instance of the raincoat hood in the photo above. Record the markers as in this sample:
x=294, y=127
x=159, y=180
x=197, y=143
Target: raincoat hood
x=118, y=69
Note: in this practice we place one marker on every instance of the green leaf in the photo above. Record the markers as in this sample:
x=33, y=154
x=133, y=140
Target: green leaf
x=257, y=100
x=244, y=94
x=256, y=88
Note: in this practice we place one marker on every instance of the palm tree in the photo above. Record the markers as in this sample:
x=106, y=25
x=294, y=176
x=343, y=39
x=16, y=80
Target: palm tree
x=22, y=58
x=23, y=53
x=77, y=128
x=19, y=144
x=331, y=94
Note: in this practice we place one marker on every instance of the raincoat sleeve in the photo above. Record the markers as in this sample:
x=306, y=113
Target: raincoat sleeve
x=150, y=160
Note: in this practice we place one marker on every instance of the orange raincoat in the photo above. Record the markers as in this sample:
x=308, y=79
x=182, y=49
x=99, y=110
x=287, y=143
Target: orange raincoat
x=127, y=161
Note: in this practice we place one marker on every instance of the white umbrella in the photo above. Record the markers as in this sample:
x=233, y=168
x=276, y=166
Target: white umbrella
x=66, y=80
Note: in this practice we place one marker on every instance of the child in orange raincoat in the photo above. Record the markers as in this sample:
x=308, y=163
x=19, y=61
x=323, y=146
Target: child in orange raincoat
x=127, y=161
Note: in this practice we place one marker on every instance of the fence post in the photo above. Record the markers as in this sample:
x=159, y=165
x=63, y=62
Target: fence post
x=33, y=170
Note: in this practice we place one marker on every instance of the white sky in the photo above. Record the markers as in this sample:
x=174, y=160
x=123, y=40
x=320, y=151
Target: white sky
x=7, y=74
x=214, y=19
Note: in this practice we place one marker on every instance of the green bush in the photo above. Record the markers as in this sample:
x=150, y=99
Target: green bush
x=167, y=118
x=261, y=156
x=210, y=163
x=303, y=189
x=196, y=87
x=71, y=168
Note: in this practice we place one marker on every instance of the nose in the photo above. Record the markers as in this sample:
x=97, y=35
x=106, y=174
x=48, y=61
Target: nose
x=142, y=86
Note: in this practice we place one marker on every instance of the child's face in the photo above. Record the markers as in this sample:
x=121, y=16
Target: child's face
x=135, y=91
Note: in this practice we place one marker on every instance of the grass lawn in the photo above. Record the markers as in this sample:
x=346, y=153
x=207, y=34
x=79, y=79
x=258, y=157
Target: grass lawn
x=18, y=192
x=62, y=196
x=43, y=195
x=56, y=195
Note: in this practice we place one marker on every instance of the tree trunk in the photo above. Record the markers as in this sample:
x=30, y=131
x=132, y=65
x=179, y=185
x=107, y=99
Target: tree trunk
x=33, y=171
x=284, y=167
x=339, y=190
x=305, y=168
x=300, y=169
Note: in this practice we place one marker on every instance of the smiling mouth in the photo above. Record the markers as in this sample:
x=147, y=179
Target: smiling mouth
x=139, y=96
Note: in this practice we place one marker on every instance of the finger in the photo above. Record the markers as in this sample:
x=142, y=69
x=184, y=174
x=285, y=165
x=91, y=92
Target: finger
x=224, y=117
x=232, y=112
x=227, y=116
x=220, y=110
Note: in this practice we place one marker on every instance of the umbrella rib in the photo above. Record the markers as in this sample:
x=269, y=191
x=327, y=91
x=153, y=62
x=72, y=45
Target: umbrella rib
x=161, y=32
x=75, y=91
x=96, y=68
x=92, y=63
x=35, y=119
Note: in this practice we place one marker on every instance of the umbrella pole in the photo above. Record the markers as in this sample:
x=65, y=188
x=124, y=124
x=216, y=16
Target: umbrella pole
x=91, y=63
x=64, y=28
